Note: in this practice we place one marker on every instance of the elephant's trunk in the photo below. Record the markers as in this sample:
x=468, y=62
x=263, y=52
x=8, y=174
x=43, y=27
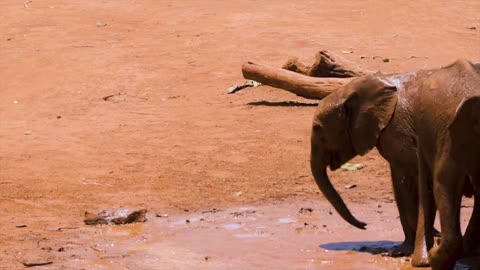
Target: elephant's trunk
x=319, y=170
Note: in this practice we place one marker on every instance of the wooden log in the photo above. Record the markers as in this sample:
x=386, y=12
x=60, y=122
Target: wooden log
x=301, y=85
x=327, y=64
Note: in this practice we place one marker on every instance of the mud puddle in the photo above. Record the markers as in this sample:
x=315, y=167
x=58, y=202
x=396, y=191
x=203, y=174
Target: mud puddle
x=300, y=235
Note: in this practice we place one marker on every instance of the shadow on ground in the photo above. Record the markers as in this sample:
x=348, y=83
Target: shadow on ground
x=282, y=104
x=372, y=247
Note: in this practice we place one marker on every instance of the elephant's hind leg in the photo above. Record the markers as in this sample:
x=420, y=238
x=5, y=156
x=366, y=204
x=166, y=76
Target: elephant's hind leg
x=471, y=239
x=448, y=189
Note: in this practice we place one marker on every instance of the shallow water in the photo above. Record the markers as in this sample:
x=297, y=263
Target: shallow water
x=276, y=236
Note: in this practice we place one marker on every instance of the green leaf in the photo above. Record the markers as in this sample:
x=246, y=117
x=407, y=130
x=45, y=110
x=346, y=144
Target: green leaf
x=351, y=166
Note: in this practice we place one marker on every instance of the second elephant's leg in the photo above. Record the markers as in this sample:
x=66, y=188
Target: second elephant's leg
x=406, y=197
x=471, y=239
x=448, y=189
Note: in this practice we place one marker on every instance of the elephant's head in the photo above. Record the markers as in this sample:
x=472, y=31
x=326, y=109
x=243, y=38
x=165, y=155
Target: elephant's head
x=347, y=123
x=465, y=135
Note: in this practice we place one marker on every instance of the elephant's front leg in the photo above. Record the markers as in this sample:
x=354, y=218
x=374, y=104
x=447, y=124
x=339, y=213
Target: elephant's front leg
x=448, y=189
x=406, y=197
x=426, y=215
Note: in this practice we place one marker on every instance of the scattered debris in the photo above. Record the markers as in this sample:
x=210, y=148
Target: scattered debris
x=304, y=210
x=244, y=213
x=115, y=98
x=350, y=186
x=36, y=263
x=119, y=217
x=20, y=226
x=67, y=228
x=172, y=97
x=25, y=4
x=351, y=166
x=238, y=87
x=82, y=46
x=101, y=24
x=96, y=249
x=213, y=210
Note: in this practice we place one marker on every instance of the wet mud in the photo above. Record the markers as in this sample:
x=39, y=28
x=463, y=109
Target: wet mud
x=294, y=235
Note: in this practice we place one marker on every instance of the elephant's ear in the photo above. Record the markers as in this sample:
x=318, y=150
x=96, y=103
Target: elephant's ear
x=369, y=110
x=467, y=118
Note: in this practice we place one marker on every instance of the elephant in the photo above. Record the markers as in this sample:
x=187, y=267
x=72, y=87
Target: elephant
x=384, y=122
x=353, y=116
x=446, y=119
x=370, y=111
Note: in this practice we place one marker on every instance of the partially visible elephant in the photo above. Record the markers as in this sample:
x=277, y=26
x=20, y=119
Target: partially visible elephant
x=446, y=111
x=370, y=111
x=465, y=140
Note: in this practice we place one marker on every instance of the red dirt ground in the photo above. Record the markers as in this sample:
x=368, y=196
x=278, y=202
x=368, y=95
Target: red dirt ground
x=173, y=139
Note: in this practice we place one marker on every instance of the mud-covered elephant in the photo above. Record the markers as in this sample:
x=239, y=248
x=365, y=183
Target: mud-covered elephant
x=446, y=112
x=355, y=115
x=370, y=111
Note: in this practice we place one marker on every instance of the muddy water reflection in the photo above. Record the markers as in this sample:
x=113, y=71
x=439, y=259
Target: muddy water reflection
x=265, y=237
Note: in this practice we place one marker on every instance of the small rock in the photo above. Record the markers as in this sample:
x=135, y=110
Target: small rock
x=305, y=210
x=36, y=263
x=27, y=133
x=20, y=226
x=118, y=217
x=207, y=258
x=347, y=52
x=59, y=116
x=386, y=60
x=238, y=193
x=101, y=24
x=472, y=28
x=162, y=215
x=187, y=221
x=62, y=249
x=15, y=102
x=350, y=186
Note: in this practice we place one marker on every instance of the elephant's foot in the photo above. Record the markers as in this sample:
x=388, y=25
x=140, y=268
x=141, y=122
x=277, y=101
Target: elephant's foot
x=442, y=258
x=420, y=256
x=403, y=250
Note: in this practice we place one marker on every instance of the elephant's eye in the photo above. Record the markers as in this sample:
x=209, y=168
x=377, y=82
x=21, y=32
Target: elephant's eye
x=317, y=128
